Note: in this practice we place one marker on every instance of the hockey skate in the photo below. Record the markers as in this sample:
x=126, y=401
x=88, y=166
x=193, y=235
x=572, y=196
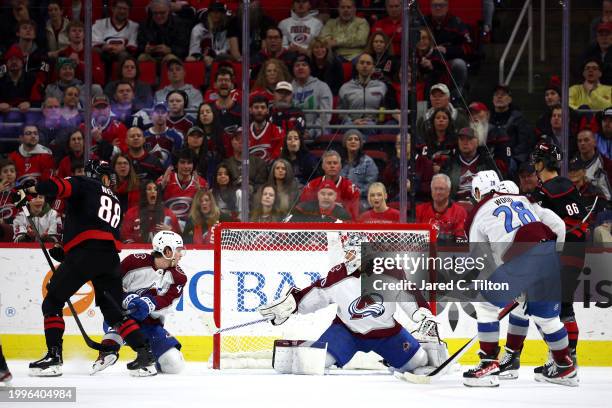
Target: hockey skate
x=5, y=378
x=105, y=359
x=48, y=366
x=509, y=364
x=553, y=372
x=485, y=374
x=144, y=365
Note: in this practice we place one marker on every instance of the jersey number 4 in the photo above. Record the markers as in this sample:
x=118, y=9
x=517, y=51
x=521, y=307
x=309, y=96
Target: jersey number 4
x=524, y=215
x=109, y=211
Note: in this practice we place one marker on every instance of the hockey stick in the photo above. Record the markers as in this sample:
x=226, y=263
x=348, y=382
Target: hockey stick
x=438, y=372
x=238, y=326
x=90, y=343
x=585, y=217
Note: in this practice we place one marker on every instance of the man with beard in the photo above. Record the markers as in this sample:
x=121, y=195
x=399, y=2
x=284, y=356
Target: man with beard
x=226, y=99
x=32, y=160
x=146, y=166
x=265, y=138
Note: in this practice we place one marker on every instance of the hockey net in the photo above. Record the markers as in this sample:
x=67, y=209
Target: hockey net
x=257, y=263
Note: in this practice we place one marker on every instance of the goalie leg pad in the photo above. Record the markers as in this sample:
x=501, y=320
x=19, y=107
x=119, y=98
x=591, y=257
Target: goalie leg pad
x=341, y=344
x=398, y=349
x=437, y=353
x=171, y=362
x=419, y=359
x=300, y=357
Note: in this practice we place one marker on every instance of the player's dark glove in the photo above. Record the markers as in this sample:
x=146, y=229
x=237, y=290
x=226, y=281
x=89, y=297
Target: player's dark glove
x=19, y=196
x=57, y=253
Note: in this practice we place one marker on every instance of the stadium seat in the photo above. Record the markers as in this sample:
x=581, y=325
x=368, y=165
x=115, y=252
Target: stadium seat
x=237, y=66
x=467, y=206
x=470, y=11
x=148, y=72
x=277, y=9
x=347, y=70
x=138, y=13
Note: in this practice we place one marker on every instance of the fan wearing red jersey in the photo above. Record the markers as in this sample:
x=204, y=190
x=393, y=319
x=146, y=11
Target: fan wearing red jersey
x=265, y=138
x=153, y=284
x=32, y=160
x=380, y=212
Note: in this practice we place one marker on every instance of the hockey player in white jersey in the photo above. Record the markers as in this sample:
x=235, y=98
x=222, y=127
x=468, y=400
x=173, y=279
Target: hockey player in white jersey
x=152, y=283
x=522, y=238
x=363, y=323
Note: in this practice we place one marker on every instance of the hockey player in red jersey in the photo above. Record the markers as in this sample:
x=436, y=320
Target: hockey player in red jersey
x=559, y=195
x=521, y=237
x=363, y=322
x=154, y=282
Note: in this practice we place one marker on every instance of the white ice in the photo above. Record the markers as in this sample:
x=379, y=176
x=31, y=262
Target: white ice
x=201, y=387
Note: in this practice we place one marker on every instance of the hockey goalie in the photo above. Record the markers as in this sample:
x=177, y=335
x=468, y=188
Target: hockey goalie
x=362, y=323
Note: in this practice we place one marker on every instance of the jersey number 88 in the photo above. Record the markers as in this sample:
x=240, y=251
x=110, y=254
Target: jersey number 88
x=109, y=212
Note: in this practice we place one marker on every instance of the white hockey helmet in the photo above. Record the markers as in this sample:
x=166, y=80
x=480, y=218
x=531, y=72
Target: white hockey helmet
x=483, y=183
x=507, y=187
x=167, y=239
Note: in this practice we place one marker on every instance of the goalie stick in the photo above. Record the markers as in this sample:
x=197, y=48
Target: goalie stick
x=90, y=343
x=439, y=371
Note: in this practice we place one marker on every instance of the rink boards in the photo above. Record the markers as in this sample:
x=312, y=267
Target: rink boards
x=24, y=273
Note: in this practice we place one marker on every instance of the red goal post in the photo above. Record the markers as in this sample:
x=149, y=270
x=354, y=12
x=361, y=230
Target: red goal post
x=256, y=262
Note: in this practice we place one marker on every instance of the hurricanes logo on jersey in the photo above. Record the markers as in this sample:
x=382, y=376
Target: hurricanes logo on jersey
x=367, y=305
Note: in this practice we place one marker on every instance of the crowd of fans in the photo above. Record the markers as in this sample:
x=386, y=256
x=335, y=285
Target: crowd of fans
x=166, y=112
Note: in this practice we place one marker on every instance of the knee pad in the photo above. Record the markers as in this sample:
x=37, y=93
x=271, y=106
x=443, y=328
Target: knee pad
x=419, y=359
x=171, y=362
x=549, y=324
x=486, y=312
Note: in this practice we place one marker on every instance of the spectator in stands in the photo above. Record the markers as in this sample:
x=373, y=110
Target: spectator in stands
x=281, y=176
x=163, y=36
x=16, y=11
x=465, y=163
x=358, y=167
x=180, y=183
x=272, y=72
x=8, y=211
x=553, y=132
x=305, y=165
x=127, y=185
x=509, y=130
x=215, y=138
x=176, y=76
x=432, y=67
x=32, y=160
x=35, y=58
x=311, y=93
x=161, y=140
x=605, y=17
x=423, y=173
x=75, y=148
x=528, y=179
x=323, y=208
x=141, y=222
x=114, y=37
x=598, y=168
x=391, y=25
x=56, y=28
x=282, y=112
x=47, y=222
x=70, y=106
x=604, y=137
x=591, y=94
x=177, y=102
x=227, y=102
x=265, y=139
x=599, y=50
x=209, y=39
x=76, y=52
x=265, y=207
x=601, y=233
x=592, y=196
x=227, y=196
x=552, y=98
x=260, y=22
x=439, y=97
x=258, y=169
x=447, y=217
x=19, y=88
x=203, y=216
x=301, y=28
x=104, y=126
x=147, y=166
x=325, y=65
x=348, y=34
x=453, y=40
x=127, y=70
x=363, y=92
x=124, y=107
x=273, y=49
x=441, y=139
x=386, y=63
x=53, y=130
x=66, y=78
x=379, y=212
x=348, y=193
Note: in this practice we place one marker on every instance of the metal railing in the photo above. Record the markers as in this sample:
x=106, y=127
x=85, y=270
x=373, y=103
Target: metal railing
x=527, y=41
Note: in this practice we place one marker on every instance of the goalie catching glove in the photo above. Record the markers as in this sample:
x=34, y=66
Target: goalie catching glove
x=281, y=309
x=428, y=326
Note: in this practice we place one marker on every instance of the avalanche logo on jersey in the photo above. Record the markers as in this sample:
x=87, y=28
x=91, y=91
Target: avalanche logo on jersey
x=367, y=305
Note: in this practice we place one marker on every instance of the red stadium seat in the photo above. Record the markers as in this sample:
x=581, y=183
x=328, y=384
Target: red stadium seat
x=347, y=70
x=148, y=72
x=470, y=11
x=277, y=9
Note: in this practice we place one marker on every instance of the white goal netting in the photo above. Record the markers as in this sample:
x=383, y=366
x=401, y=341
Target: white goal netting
x=257, y=263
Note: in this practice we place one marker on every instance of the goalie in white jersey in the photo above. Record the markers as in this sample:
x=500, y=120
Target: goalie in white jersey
x=522, y=238
x=362, y=323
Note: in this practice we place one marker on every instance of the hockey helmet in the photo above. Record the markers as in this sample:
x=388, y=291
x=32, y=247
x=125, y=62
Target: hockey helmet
x=167, y=239
x=483, y=183
x=97, y=168
x=507, y=187
x=351, y=241
x=547, y=153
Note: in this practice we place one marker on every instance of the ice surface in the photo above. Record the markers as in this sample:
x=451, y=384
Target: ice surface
x=201, y=387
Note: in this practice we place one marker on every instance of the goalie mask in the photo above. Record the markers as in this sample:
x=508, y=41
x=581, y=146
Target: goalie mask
x=483, y=183
x=168, y=239
x=351, y=244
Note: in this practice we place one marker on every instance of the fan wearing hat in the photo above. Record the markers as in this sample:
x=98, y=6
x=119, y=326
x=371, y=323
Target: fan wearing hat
x=439, y=98
x=18, y=86
x=282, y=112
x=160, y=139
x=324, y=209
x=66, y=78
x=104, y=126
x=591, y=93
x=528, y=179
x=599, y=49
x=576, y=172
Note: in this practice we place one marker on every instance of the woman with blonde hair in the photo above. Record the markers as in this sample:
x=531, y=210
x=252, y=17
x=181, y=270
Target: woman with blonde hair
x=281, y=177
x=272, y=72
x=203, y=215
x=379, y=213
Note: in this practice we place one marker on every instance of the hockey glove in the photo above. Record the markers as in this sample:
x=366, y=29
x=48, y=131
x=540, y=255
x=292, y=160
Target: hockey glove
x=279, y=311
x=140, y=306
x=428, y=326
x=57, y=253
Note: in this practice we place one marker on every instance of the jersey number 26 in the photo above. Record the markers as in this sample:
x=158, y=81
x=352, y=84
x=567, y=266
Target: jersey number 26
x=109, y=211
x=524, y=215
